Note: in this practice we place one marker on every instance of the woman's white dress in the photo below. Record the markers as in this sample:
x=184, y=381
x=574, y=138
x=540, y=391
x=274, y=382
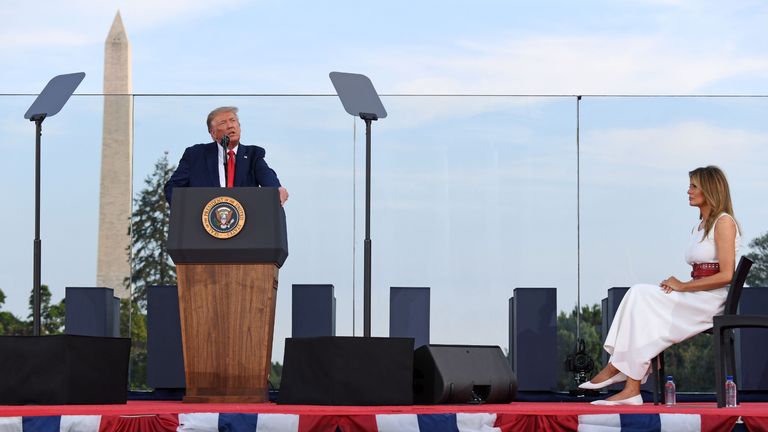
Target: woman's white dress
x=649, y=320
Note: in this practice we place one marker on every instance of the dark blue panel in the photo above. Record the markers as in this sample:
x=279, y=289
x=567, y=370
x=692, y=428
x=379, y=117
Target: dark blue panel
x=535, y=343
x=752, y=355
x=89, y=312
x=640, y=422
x=409, y=314
x=235, y=422
x=116, y=317
x=511, y=334
x=313, y=311
x=615, y=295
x=612, y=302
x=437, y=423
x=41, y=424
x=165, y=354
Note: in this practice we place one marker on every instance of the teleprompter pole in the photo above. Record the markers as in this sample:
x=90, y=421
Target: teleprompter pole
x=360, y=99
x=368, y=118
x=47, y=104
x=37, y=243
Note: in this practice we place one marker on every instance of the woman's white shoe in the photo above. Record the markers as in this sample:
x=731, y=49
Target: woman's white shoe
x=634, y=400
x=619, y=377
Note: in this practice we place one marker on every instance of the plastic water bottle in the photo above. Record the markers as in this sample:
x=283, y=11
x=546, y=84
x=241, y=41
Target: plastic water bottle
x=670, y=393
x=730, y=392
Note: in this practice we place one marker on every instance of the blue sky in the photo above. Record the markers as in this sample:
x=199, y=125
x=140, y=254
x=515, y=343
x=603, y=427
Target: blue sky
x=552, y=47
x=473, y=196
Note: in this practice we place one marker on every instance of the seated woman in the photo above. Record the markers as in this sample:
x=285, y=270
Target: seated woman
x=651, y=318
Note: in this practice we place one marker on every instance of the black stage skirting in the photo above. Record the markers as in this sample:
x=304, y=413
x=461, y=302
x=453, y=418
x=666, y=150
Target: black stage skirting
x=63, y=369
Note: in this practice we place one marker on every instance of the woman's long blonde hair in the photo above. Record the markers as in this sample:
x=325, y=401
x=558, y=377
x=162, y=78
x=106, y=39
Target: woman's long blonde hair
x=714, y=186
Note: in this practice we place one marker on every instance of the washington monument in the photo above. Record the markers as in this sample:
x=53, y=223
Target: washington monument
x=116, y=159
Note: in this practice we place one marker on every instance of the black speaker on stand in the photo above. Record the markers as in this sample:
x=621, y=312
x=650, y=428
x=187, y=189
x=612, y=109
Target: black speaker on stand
x=462, y=374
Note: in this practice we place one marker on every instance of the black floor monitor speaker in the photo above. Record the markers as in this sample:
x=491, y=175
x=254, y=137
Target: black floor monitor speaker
x=63, y=369
x=347, y=371
x=462, y=374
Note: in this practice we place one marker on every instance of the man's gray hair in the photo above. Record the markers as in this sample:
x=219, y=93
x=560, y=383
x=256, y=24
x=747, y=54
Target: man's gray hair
x=220, y=110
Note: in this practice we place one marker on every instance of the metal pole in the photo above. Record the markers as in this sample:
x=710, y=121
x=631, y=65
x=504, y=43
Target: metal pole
x=367, y=242
x=354, y=224
x=578, y=224
x=37, y=245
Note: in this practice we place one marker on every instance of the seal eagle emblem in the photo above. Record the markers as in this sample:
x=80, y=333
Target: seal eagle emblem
x=223, y=217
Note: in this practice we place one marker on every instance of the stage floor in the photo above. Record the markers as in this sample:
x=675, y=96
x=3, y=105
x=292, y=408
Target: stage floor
x=516, y=416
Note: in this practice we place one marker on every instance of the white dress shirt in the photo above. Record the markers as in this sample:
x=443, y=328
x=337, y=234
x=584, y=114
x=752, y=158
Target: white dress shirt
x=222, y=156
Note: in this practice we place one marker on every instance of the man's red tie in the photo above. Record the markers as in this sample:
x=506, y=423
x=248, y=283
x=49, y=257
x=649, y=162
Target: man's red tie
x=231, y=169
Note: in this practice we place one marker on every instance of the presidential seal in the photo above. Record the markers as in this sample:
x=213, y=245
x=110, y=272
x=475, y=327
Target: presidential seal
x=223, y=217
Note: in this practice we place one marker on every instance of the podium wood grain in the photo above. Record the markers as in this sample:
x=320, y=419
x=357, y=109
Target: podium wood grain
x=227, y=316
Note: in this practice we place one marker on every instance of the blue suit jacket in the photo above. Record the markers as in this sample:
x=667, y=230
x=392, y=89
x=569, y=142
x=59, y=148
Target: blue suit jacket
x=199, y=167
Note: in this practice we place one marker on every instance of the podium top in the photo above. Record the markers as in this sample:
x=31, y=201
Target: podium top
x=261, y=232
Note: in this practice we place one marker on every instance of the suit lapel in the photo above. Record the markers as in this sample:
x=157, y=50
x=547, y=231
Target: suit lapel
x=242, y=165
x=212, y=161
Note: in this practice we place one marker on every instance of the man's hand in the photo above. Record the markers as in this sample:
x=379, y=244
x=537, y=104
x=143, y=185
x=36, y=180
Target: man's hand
x=283, y=195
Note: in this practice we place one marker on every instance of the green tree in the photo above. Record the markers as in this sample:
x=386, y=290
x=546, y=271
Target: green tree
x=691, y=363
x=10, y=325
x=150, y=264
x=51, y=316
x=758, y=274
x=275, y=374
x=133, y=323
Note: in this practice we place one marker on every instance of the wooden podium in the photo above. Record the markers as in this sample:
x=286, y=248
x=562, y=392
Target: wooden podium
x=227, y=287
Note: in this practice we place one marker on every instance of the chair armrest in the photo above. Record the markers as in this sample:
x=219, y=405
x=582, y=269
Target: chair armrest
x=740, y=321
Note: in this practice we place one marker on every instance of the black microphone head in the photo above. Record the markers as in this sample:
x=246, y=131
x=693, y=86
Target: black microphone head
x=225, y=140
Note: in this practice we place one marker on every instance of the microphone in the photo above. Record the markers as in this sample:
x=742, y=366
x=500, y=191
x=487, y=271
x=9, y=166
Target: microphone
x=224, y=143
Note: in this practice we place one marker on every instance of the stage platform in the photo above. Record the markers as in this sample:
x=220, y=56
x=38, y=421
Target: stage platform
x=157, y=416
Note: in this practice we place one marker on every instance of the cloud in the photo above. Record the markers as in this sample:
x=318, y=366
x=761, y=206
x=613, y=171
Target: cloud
x=656, y=155
x=25, y=27
x=664, y=2
x=680, y=141
x=669, y=56
x=609, y=64
x=47, y=37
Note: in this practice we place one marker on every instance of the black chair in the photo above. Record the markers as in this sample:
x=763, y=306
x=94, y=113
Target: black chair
x=732, y=320
x=725, y=357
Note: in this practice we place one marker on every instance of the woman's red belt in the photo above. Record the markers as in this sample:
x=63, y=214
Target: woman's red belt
x=701, y=270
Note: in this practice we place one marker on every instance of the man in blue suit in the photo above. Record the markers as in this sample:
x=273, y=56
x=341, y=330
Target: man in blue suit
x=209, y=165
